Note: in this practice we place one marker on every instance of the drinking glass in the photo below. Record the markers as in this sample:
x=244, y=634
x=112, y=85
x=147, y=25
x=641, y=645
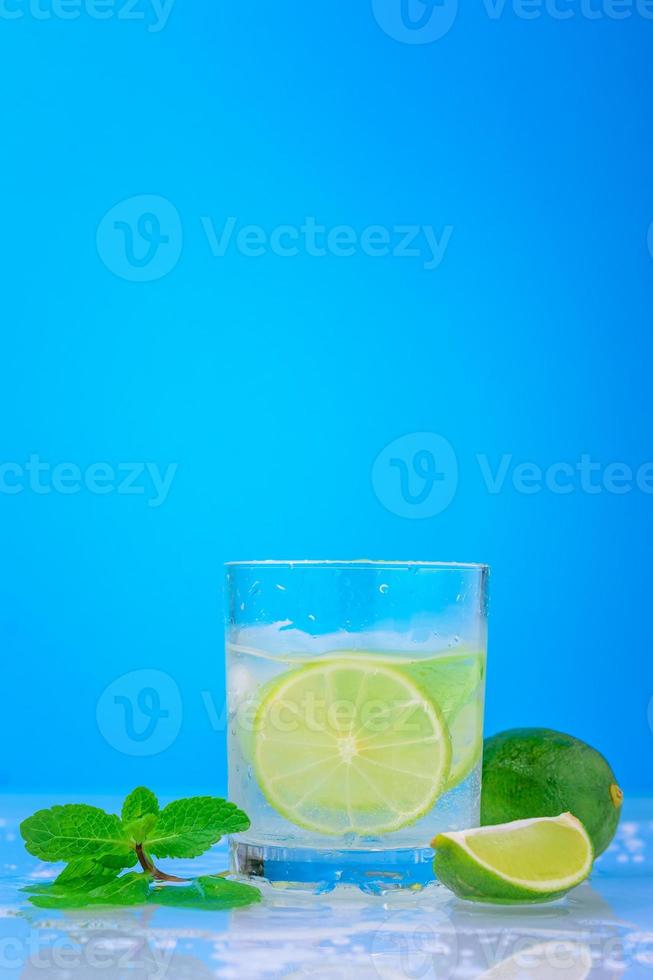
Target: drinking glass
x=355, y=703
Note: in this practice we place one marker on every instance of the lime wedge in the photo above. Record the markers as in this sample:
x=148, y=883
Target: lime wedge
x=534, y=860
x=348, y=746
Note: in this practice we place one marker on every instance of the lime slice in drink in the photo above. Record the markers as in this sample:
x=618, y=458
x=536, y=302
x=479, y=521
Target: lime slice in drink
x=466, y=731
x=455, y=684
x=534, y=860
x=450, y=680
x=350, y=746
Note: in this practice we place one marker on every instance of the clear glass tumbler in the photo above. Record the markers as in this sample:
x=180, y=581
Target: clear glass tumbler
x=355, y=699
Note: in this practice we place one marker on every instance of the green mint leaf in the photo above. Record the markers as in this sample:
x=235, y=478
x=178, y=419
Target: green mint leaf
x=187, y=828
x=139, y=813
x=80, y=875
x=138, y=830
x=102, y=868
x=63, y=833
x=141, y=802
x=123, y=859
x=130, y=889
x=206, y=893
x=84, y=872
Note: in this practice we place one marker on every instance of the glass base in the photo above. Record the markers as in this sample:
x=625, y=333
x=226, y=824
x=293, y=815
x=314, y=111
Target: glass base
x=319, y=871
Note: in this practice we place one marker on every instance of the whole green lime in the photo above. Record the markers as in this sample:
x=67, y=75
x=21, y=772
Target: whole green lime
x=536, y=772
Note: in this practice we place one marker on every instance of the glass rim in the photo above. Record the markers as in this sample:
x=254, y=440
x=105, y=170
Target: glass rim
x=358, y=563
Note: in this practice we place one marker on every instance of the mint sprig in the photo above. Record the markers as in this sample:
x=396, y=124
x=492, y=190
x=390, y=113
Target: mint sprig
x=99, y=845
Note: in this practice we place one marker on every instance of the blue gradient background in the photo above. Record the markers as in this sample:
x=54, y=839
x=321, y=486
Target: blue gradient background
x=275, y=382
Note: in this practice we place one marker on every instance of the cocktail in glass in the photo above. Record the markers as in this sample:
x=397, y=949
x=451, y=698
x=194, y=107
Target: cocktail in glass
x=355, y=696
